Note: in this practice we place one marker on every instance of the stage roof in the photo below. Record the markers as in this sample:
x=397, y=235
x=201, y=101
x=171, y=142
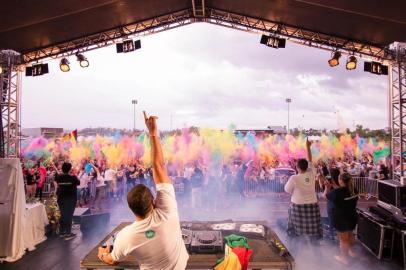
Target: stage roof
x=28, y=25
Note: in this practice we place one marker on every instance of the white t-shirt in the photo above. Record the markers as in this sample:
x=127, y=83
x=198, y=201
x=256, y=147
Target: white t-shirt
x=303, y=187
x=110, y=175
x=156, y=241
x=83, y=181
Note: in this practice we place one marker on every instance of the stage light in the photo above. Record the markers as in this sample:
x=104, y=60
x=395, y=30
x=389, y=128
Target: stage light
x=334, y=61
x=128, y=46
x=351, y=63
x=64, y=65
x=273, y=42
x=36, y=70
x=1, y=70
x=83, y=62
x=376, y=68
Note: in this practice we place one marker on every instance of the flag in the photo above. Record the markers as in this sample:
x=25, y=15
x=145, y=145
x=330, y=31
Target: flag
x=73, y=136
x=237, y=254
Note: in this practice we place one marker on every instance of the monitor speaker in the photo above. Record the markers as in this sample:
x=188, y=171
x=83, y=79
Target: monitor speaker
x=94, y=222
x=374, y=235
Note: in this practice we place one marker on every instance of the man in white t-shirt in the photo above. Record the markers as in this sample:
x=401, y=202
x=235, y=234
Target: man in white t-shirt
x=304, y=213
x=110, y=180
x=155, y=238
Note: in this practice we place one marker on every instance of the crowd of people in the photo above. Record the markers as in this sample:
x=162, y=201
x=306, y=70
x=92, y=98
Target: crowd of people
x=193, y=182
x=91, y=182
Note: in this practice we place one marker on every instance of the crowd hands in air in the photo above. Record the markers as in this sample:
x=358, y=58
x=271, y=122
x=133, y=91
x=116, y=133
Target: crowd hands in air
x=99, y=182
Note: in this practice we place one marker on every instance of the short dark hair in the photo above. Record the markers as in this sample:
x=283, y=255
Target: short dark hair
x=140, y=200
x=66, y=167
x=302, y=164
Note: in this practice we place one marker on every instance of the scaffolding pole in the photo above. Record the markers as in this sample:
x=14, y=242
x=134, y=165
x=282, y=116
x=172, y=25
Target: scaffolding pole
x=397, y=96
x=10, y=82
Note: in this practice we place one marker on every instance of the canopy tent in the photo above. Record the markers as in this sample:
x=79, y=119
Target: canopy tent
x=50, y=28
x=28, y=26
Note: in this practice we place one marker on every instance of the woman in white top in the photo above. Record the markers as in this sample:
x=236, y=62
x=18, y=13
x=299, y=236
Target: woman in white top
x=100, y=189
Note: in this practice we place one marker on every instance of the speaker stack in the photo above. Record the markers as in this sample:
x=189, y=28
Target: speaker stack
x=382, y=229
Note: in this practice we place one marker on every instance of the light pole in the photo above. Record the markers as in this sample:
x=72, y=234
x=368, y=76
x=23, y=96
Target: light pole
x=134, y=102
x=288, y=101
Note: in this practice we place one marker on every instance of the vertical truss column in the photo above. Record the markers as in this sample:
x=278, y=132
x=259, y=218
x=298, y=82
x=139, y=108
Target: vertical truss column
x=397, y=95
x=10, y=82
x=199, y=9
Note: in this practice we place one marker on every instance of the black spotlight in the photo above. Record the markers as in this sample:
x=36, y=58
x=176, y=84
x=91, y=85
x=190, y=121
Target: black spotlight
x=83, y=62
x=376, y=68
x=36, y=70
x=273, y=42
x=334, y=61
x=128, y=46
x=351, y=63
x=64, y=65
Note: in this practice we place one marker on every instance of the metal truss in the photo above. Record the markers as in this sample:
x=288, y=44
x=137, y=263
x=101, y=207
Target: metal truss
x=297, y=35
x=10, y=82
x=107, y=38
x=201, y=13
x=397, y=96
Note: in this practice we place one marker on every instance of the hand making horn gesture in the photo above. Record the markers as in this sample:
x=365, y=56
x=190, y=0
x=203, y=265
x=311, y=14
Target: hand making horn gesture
x=150, y=122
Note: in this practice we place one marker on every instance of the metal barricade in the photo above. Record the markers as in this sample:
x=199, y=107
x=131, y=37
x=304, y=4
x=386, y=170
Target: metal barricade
x=47, y=188
x=267, y=186
x=276, y=186
x=366, y=186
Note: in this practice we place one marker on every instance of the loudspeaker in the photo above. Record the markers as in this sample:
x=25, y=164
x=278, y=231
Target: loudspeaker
x=375, y=235
x=92, y=222
x=399, y=248
x=79, y=211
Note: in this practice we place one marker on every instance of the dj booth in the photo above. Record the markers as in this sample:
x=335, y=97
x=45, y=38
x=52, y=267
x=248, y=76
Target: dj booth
x=268, y=251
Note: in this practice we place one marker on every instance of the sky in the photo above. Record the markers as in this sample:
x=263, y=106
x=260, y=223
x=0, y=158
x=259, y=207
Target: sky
x=207, y=76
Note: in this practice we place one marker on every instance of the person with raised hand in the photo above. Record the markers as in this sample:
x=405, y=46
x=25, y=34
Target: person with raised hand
x=155, y=237
x=304, y=213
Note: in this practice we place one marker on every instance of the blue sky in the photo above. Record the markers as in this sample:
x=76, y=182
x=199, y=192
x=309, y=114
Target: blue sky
x=207, y=76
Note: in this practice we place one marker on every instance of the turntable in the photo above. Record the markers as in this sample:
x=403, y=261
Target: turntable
x=252, y=230
x=223, y=226
x=186, y=225
x=207, y=242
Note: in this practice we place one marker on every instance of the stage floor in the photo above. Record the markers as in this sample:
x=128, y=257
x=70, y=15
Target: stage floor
x=58, y=254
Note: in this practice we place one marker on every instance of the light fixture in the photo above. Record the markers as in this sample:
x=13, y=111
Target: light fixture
x=83, y=62
x=1, y=70
x=273, y=42
x=128, y=45
x=351, y=63
x=36, y=70
x=376, y=68
x=334, y=61
x=64, y=65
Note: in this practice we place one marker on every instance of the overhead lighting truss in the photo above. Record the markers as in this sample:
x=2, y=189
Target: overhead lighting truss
x=111, y=37
x=213, y=16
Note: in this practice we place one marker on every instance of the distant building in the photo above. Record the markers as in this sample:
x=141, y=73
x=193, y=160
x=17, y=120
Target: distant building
x=271, y=130
x=45, y=132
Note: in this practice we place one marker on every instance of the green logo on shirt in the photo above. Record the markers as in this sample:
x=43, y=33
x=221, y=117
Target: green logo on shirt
x=307, y=180
x=149, y=234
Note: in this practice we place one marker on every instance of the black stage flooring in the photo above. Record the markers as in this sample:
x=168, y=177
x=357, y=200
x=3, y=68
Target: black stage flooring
x=58, y=254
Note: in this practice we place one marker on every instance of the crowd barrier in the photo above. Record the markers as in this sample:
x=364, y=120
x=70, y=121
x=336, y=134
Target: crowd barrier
x=258, y=187
x=365, y=186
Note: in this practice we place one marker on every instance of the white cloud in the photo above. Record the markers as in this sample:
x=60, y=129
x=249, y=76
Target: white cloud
x=204, y=75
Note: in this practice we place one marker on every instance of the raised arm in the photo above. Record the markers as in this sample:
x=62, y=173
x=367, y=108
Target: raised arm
x=158, y=166
x=309, y=152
